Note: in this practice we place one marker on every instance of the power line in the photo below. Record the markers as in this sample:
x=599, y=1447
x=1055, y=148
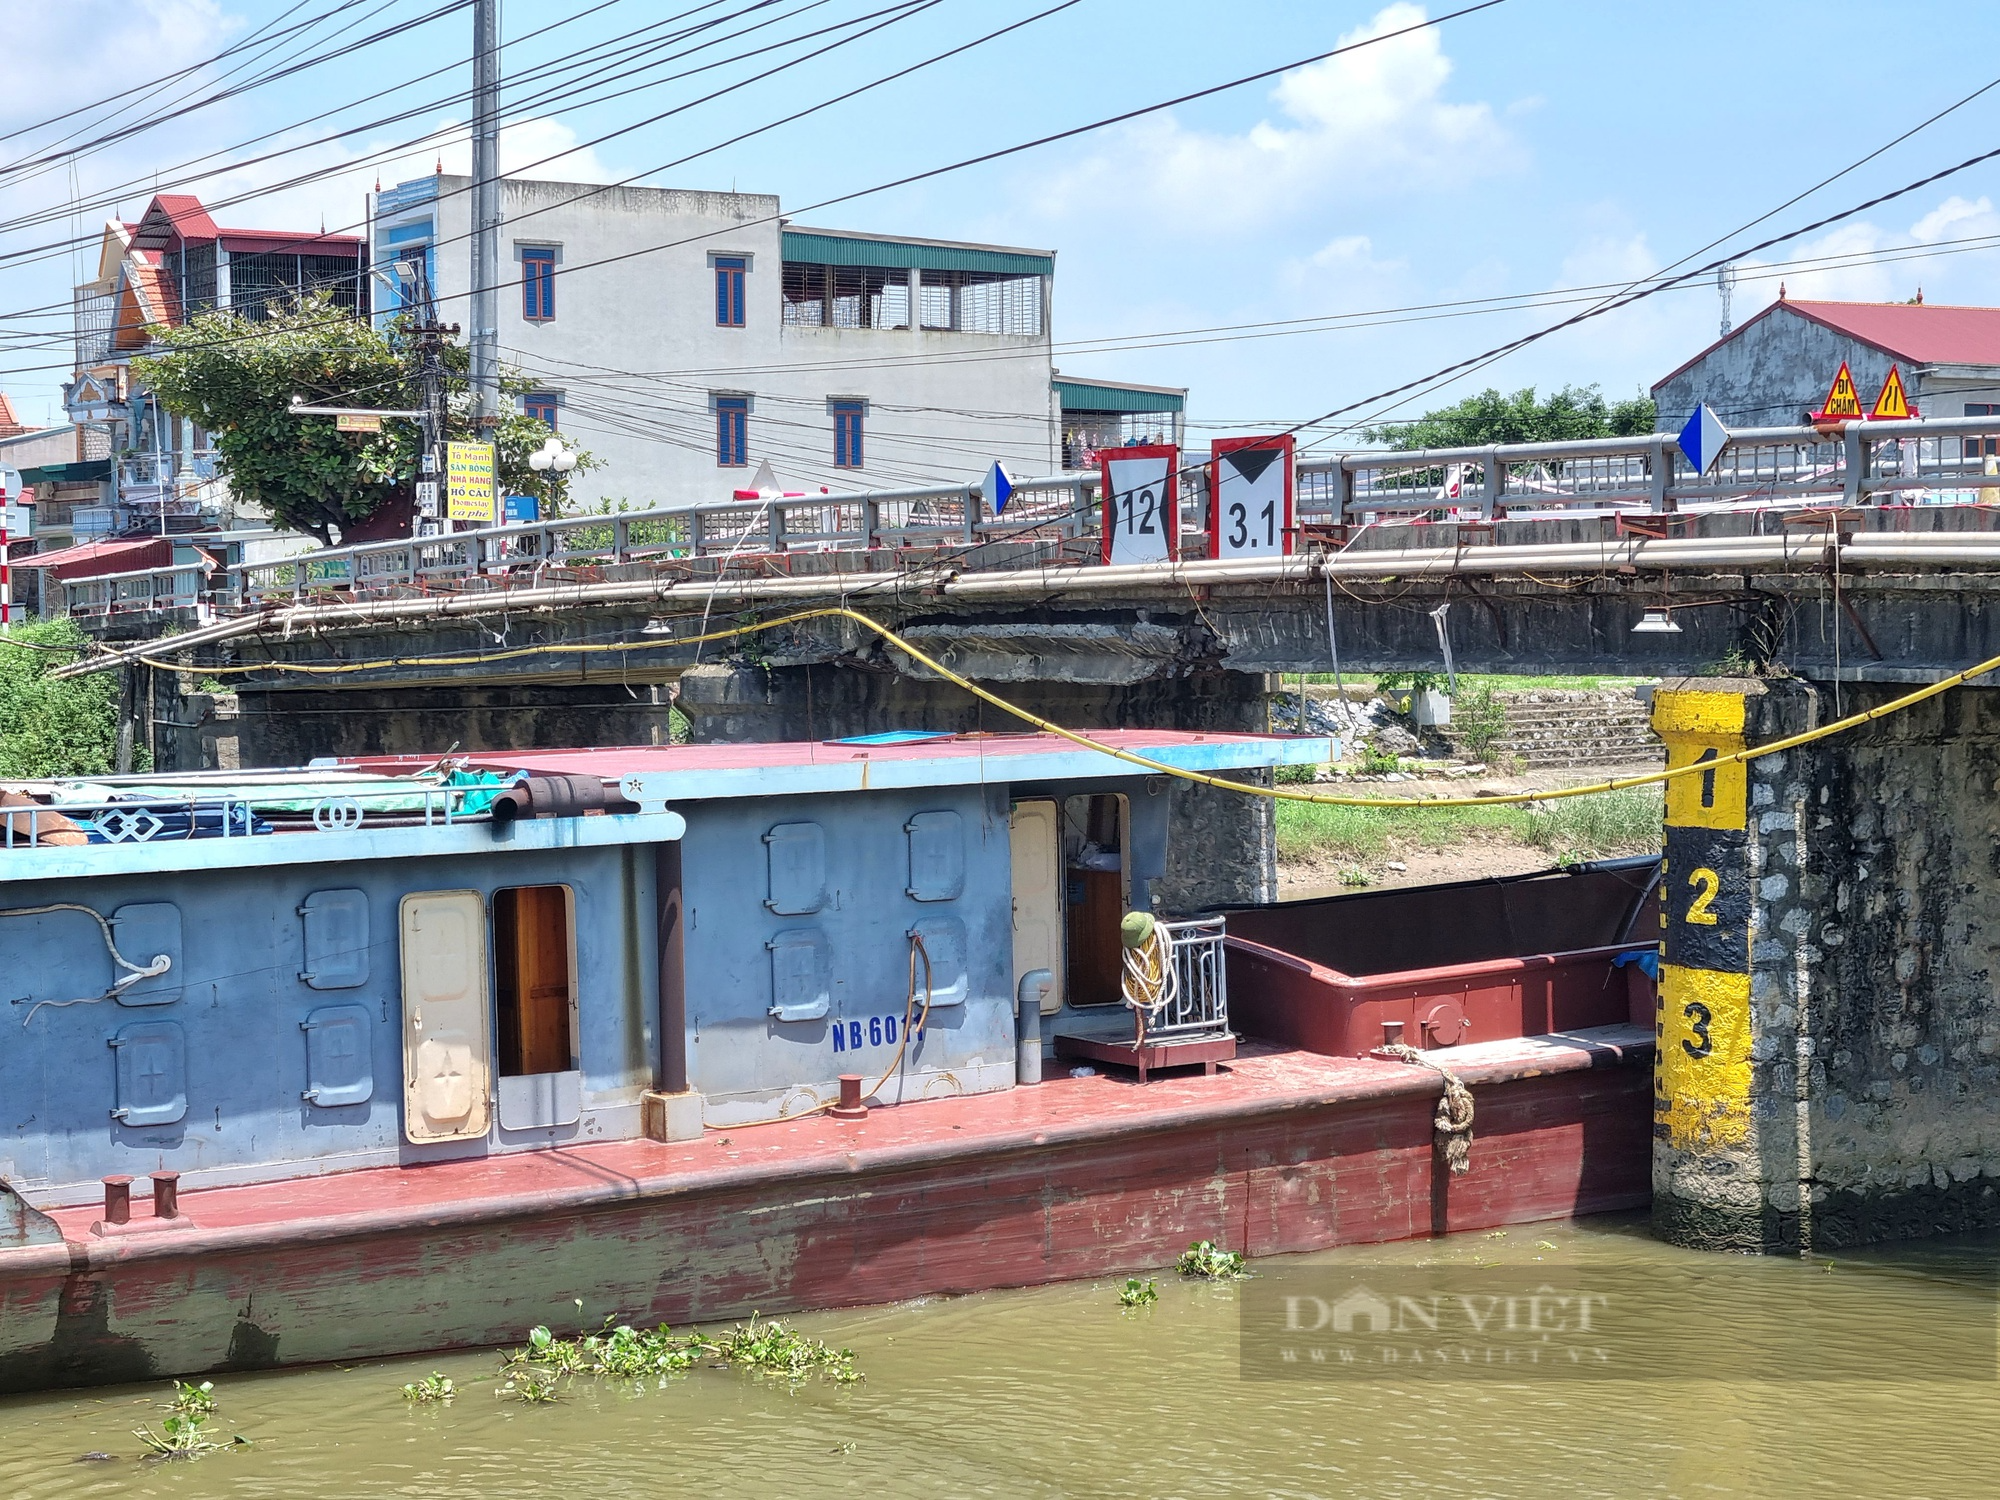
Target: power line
x=169, y=78
x=899, y=10
x=961, y=165
x=222, y=95
x=110, y=196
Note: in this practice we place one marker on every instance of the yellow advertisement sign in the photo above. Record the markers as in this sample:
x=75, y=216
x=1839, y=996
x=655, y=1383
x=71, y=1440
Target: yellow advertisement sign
x=468, y=482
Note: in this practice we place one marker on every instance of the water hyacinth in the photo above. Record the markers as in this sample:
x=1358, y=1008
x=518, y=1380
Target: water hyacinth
x=622, y=1352
x=1207, y=1260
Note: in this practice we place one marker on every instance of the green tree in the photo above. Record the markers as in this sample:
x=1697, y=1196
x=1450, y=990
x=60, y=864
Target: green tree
x=48, y=726
x=237, y=378
x=1564, y=416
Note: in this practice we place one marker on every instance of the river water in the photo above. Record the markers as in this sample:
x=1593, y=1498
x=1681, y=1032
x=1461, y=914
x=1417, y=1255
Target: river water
x=1058, y=1391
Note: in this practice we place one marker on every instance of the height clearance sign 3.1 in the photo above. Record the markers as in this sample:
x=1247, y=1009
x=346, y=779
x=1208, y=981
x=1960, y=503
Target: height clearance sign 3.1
x=1250, y=497
x=468, y=482
x=1141, y=513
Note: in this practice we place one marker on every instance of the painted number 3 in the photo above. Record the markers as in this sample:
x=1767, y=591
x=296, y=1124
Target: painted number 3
x=1701, y=910
x=1698, y=1017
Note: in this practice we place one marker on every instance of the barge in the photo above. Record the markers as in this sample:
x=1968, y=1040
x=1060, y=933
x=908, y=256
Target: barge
x=382, y=1056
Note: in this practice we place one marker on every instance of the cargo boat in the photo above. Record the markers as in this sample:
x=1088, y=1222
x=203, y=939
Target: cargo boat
x=381, y=1056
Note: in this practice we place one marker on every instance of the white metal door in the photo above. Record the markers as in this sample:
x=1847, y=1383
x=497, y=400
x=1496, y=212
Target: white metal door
x=1035, y=842
x=447, y=1036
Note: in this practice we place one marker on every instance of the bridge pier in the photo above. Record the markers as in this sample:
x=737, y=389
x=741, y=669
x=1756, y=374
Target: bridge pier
x=1829, y=1067
x=1222, y=846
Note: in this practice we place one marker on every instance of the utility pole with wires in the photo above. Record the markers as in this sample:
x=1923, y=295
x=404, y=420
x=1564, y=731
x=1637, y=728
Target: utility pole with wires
x=485, y=341
x=431, y=335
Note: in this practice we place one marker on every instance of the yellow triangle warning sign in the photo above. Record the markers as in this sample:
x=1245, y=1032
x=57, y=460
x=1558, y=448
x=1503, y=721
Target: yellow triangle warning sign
x=1892, y=405
x=1842, y=400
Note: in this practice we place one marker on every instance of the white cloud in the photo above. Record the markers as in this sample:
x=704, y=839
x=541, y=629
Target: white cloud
x=62, y=53
x=1956, y=219
x=1343, y=273
x=1370, y=122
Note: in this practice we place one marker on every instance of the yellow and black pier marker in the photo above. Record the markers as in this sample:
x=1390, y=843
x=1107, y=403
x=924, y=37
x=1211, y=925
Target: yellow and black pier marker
x=1702, y=1093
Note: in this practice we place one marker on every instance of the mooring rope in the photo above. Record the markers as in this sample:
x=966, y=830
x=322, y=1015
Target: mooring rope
x=1452, y=1124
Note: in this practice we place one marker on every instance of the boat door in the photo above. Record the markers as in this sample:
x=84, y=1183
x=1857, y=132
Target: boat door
x=447, y=1038
x=1035, y=844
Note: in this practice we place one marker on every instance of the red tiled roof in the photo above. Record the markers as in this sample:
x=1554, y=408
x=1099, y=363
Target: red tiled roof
x=1918, y=333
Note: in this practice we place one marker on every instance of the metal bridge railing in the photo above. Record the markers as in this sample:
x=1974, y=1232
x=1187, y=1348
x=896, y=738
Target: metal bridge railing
x=1948, y=461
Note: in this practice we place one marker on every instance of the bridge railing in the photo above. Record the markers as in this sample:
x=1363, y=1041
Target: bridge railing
x=1936, y=461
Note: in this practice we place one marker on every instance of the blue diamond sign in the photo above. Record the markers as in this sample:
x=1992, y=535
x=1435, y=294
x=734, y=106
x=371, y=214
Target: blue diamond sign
x=999, y=488
x=1703, y=439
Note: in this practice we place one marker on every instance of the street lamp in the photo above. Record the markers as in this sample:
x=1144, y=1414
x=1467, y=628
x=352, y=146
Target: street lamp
x=553, y=454
x=555, y=457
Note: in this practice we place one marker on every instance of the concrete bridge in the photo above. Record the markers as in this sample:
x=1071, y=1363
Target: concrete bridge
x=1830, y=1033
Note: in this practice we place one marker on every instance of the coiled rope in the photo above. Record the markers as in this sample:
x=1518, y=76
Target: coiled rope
x=134, y=972
x=1451, y=1126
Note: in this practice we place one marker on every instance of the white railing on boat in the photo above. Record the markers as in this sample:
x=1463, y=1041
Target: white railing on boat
x=1200, y=1005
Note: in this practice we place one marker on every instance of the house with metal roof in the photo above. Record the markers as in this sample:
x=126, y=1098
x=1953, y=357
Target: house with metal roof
x=1774, y=368
x=1115, y=413
x=846, y=360
x=170, y=265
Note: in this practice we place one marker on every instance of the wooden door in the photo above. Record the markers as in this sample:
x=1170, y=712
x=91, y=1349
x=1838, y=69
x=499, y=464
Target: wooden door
x=1035, y=847
x=531, y=926
x=447, y=1042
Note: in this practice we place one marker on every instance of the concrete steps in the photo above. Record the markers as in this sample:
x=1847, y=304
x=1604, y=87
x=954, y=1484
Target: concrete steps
x=1554, y=728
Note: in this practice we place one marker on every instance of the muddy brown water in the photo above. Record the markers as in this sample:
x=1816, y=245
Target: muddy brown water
x=1057, y=1391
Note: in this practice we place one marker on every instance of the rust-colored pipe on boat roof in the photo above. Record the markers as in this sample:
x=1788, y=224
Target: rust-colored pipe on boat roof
x=556, y=796
x=117, y=1200
x=166, y=1195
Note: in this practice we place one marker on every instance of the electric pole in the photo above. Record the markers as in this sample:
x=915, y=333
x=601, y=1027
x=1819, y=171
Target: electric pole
x=431, y=335
x=485, y=342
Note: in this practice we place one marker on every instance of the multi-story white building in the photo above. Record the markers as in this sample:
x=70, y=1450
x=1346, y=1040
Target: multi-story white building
x=683, y=338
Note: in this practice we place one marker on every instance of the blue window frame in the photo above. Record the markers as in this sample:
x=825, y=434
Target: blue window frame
x=732, y=431
x=729, y=271
x=541, y=405
x=847, y=434
x=538, y=285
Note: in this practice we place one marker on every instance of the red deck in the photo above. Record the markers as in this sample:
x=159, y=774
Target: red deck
x=614, y=761
x=1284, y=1151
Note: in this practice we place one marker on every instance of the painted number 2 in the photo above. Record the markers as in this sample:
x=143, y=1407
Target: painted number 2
x=1701, y=910
x=1698, y=1017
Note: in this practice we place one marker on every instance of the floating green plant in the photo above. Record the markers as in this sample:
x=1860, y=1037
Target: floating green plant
x=184, y=1431
x=1208, y=1260
x=623, y=1352
x=1137, y=1293
x=434, y=1387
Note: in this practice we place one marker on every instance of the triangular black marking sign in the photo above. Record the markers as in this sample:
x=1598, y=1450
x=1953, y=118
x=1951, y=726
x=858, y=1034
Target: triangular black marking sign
x=1252, y=462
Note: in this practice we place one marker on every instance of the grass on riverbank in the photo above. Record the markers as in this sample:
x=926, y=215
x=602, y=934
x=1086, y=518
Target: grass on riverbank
x=1572, y=829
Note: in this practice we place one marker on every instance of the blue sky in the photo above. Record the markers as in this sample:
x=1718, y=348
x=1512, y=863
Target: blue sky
x=1533, y=148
